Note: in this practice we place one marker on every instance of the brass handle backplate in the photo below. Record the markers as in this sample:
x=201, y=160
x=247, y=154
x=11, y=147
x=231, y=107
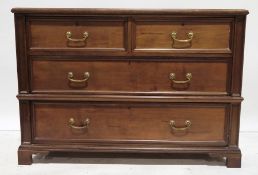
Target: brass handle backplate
x=69, y=37
x=71, y=77
x=190, y=36
x=174, y=127
x=188, y=76
x=84, y=125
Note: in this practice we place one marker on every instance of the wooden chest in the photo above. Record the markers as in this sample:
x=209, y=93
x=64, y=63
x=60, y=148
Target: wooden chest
x=130, y=81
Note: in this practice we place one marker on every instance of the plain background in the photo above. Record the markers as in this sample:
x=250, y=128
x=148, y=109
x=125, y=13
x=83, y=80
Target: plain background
x=9, y=109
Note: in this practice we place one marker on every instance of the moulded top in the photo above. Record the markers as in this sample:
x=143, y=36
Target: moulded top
x=118, y=11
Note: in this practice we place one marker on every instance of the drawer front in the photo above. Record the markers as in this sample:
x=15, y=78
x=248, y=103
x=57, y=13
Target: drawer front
x=165, y=77
x=183, y=123
x=183, y=35
x=78, y=34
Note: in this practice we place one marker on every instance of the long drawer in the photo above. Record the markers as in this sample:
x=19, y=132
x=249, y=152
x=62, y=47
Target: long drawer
x=95, y=76
x=202, y=124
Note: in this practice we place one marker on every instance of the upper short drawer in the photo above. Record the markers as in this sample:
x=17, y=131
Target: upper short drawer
x=77, y=34
x=183, y=35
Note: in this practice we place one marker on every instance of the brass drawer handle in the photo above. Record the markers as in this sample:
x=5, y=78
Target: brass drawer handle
x=189, y=35
x=188, y=76
x=71, y=77
x=69, y=37
x=173, y=125
x=85, y=124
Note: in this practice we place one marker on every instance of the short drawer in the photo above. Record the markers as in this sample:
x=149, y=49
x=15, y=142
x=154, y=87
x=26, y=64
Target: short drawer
x=138, y=77
x=78, y=34
x=169, y=123
x=183, y=35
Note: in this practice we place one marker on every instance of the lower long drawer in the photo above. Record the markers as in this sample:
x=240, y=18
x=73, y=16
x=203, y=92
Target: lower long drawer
x=188, y=123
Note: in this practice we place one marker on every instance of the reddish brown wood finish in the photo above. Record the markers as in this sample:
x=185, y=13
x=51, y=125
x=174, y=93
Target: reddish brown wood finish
x=129, y=97
x=155, y=34
x=130, y=122
x=234, y=161
x=124, y=11
x=130, y=76
x=24, y=157
x=103, y=34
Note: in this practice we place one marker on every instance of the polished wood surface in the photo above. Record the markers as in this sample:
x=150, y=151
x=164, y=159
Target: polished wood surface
x=155, y=35
x=130, y=122
x=120, y=90
x=132, y=76
x=102, y=34
x=125, y=11
x=131, y=98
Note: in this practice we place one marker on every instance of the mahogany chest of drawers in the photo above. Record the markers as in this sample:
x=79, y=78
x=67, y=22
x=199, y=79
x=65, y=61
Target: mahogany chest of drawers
x=130, y=81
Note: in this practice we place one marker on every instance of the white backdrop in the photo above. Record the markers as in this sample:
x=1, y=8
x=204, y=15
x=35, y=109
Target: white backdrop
x=9, y=111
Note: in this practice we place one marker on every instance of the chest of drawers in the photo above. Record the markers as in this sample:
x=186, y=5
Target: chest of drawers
x=130, y=81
